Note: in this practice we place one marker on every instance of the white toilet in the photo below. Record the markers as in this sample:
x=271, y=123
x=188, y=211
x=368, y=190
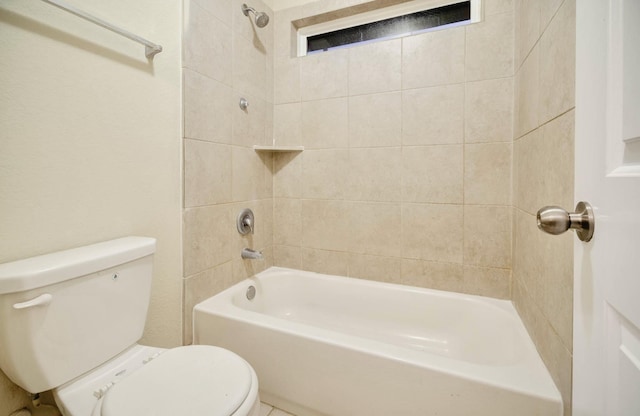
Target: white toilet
x=70, y=321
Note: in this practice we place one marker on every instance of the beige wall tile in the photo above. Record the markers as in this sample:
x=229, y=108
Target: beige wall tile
x=557, y=285
x=207, y=108
x=286, y=79
x=270, y=72
x=548, y=9
x=522, y=265
x=545, y=163
x=375, y=67
x=284, y=32
x=544, y=265
x=432, y=174
x=200, y=287
x=374, y=174
x=381, y=269
x=487, y=236
x=325, y=261
x=498, y=6
x=324, y=173
x=287, y=175
x=265, y=225
x=375, y=120
x=287, y=222
x=266, y=158
x=325, y=224
x=287, y=256
x=528, y=28
x=324, y=75
x=483, y=281
x=488, y=111
x=221, y=9
x=433, y=115
x=375, y=228
x=432, y=232
x=287, y=124
x=433, y=58
x=527, y=95
x=558, y=63
x=249, y=124
x=249, y=68
x=489, y=48
x=268, y=124
x=207, y=173
x=433, y=275
x=207, y=45
x=250, y=175
x=556, y=356
x=325, y=123
x=527, y=269
x=526, y=171
x=206, y=235
x=487, y=174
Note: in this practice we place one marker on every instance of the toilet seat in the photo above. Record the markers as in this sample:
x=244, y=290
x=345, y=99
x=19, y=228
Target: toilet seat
x=193, y=380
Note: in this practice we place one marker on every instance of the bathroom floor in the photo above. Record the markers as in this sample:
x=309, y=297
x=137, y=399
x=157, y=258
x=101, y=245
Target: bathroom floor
x=268, y=410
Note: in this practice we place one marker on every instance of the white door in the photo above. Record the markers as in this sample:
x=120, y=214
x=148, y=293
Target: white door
x=606, y=361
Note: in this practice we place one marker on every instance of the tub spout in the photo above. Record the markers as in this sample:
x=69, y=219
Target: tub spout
x=247, y=253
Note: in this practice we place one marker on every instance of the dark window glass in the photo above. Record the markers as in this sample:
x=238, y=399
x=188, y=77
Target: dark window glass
x=392, y=27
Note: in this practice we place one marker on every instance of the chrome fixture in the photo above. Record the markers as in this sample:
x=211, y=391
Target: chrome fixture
x=261, y=18
x=555, y=220
x=244, y=104
x=251, y=292
x=249, y=254
x=244, y=222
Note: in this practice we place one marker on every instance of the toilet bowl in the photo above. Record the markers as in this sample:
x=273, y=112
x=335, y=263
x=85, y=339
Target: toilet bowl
x=70, y=322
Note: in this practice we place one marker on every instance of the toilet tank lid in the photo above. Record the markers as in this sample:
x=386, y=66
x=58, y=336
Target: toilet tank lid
x=47, y=269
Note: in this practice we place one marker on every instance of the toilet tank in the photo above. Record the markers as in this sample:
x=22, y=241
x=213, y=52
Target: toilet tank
x=65, y=313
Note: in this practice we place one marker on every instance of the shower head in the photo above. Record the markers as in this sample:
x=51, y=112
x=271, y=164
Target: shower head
x=261, y=18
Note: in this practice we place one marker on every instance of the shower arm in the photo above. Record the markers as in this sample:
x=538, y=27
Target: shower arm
x=246, y=9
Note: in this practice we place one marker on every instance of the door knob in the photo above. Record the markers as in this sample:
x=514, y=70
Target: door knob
x=555, y=220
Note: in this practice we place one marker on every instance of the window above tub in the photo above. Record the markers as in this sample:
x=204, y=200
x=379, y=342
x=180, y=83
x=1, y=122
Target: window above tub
x=343, y=29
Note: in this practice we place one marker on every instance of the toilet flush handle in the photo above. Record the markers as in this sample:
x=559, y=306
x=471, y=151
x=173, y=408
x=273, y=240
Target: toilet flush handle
x=41, y=300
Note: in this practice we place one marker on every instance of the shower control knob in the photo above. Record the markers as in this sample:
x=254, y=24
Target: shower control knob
x=555, y=220
x=245, y=222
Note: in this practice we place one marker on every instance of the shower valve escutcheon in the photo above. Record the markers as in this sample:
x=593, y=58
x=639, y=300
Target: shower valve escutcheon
x=245, y=222
x=555, y=220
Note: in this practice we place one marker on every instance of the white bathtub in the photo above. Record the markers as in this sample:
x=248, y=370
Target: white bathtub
x=328, y=345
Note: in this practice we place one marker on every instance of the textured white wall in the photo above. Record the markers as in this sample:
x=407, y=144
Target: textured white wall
x=90, y=141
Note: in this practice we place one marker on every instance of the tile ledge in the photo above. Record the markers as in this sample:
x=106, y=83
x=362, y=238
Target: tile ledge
x=278, y=148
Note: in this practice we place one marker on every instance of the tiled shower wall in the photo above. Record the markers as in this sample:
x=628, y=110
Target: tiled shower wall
x=225, y=57
x=543, y=175
x=406, y=172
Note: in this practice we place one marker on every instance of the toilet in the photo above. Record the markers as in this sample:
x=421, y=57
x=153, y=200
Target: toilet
x=70, y=322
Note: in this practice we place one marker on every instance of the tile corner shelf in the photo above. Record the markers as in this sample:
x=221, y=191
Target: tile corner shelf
x=278, y=148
